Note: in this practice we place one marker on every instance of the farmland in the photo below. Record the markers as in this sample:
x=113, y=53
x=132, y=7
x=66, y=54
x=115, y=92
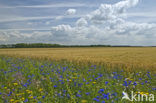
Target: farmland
x=133, y=56
x=71, y=75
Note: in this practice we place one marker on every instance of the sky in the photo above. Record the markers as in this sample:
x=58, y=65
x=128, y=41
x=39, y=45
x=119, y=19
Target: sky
x=78, y=22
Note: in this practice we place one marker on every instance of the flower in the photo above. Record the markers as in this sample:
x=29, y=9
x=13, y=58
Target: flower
x=22, y=98
x=5, y=87
x=106, y=82
x=95, y=99
x=40, y=89
x=43, y=97
x=26, y=100
x=135, y=83
x=78, y=95
x=87, y=93
x=125, y=83
x=94, y=82
x=11, y=100
x=101, y=90
x=55, y=86
x=83, y=101
x=103, y=102
x=31, y=97
x=15, y=84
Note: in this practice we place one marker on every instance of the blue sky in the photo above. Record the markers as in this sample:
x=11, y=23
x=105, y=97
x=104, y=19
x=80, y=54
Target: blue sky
x=115, y=22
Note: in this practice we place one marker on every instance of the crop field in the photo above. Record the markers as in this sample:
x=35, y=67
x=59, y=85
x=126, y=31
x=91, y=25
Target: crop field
x=77, y=75
x=134, y=56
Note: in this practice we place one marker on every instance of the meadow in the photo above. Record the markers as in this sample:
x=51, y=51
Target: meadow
x=76, y=75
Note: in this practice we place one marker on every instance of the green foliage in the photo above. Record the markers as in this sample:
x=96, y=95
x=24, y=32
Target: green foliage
x=43, y=45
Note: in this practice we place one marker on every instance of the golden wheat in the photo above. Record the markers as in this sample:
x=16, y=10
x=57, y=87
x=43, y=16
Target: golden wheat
x=130, y=56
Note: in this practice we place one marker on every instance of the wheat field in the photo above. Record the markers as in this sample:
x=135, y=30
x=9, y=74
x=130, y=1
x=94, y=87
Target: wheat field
x=131, y=56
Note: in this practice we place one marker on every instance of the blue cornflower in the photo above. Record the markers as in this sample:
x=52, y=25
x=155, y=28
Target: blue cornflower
x=78, y=95
x=96, y=99
x=80, y=84
x=106, y=82
x=9, y=93
x=153, y=88
x=74, y=83
x=125, y=83
x=101, y=90
x=140, y=78
x=135, y=83
x=87, y=82
x=84, y=79
x=43, y=97
x=106, y=96
x=87, y=93
x=35, y=97
x=25, y=85
x=68, y=95
x=103, y=102
x=55, y=86
x=129, y=82
x=26, y=100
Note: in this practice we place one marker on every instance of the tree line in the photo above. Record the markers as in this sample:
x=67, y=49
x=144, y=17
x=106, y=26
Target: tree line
x=43, y=45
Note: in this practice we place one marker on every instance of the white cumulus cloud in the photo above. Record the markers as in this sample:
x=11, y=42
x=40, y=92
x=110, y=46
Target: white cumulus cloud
x=107, y=24
x=71, y=11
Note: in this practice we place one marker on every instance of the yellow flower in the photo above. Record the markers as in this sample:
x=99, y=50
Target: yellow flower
x=40, y=89
x=74, y=77
x=94, y=82
x=29, y=91
x=141, y=92
x=18, y=94
x=39, y=97
x=84, y=101
x=11, y=100
x=31, y=97
x=23, y=98
x=15, y=84
x=17, y=101
x=5, y=87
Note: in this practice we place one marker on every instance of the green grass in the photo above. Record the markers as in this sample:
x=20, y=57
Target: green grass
x=42, y=81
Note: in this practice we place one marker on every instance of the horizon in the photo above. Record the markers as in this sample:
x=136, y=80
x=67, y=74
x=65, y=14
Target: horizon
x=81, y=45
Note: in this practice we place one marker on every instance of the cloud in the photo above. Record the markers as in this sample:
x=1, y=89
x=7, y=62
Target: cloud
x=105, y=25
x=70, y=11
x=59, y=5
x=81, y=22
x=15, y=19
x=25, y=18
x=108, y=12
x=59, y=17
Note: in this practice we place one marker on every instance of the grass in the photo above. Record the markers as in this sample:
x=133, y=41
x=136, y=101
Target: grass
x=75, y=75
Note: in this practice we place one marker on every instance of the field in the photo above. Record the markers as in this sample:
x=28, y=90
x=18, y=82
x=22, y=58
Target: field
x=135, y=56
x=77, y=75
